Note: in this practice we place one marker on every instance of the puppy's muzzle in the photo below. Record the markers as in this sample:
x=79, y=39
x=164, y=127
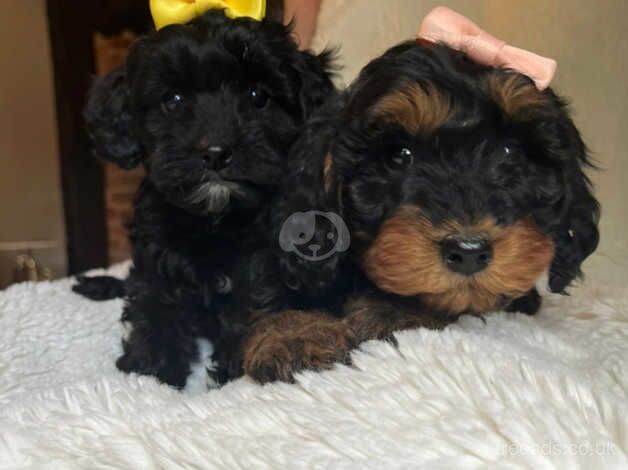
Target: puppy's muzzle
x=466, y=256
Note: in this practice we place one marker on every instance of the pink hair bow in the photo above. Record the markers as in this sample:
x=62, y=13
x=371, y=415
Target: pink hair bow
x=443, y=25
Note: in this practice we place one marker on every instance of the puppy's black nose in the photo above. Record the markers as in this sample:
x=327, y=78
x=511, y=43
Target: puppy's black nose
x=466, y=256
x=217, y=157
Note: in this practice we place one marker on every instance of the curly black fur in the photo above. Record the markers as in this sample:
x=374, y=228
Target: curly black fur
x=478, y=163
x=210, y=109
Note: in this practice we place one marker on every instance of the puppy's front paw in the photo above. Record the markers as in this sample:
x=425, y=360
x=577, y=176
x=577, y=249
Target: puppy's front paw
x=145, y=355
x=174, y=373
x=283, y=344
x=99, y=288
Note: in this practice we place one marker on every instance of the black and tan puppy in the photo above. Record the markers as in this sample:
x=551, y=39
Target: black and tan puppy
x=210, y=109
x=461, y=186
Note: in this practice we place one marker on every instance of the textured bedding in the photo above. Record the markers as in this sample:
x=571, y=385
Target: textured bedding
x=509, y=392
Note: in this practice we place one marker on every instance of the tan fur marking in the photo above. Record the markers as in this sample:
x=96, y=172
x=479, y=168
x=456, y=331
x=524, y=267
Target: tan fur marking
x=280, y=345
x=517, y=97
x=405, y=259
x=417, y=109
x=327, y=172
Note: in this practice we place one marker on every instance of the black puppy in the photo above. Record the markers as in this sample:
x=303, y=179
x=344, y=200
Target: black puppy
x=210, y=109
x=460, y=184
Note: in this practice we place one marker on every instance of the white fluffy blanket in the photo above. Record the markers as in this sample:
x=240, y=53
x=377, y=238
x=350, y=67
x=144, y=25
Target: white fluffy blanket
x=514, y=392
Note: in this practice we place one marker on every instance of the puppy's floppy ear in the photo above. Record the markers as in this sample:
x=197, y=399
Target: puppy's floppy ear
x=309, y=174
x=109, y=120
x=577, y=235
x=576, y=238
x=551, y=136
x=315, y=73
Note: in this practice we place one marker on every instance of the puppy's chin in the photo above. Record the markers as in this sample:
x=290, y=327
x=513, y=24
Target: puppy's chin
x=211, y=197
x=218, y=197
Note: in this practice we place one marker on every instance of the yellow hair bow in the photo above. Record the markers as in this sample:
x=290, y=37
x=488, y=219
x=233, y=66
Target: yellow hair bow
x=167, y=12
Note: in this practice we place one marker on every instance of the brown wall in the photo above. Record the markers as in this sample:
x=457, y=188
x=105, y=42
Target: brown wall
x=120, y=185
x=30, y=189
x=589, y=41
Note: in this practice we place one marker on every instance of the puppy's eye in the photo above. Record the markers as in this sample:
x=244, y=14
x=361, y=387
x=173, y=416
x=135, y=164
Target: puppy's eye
x=171, y=102
x=402, y=160
x=259, y=97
